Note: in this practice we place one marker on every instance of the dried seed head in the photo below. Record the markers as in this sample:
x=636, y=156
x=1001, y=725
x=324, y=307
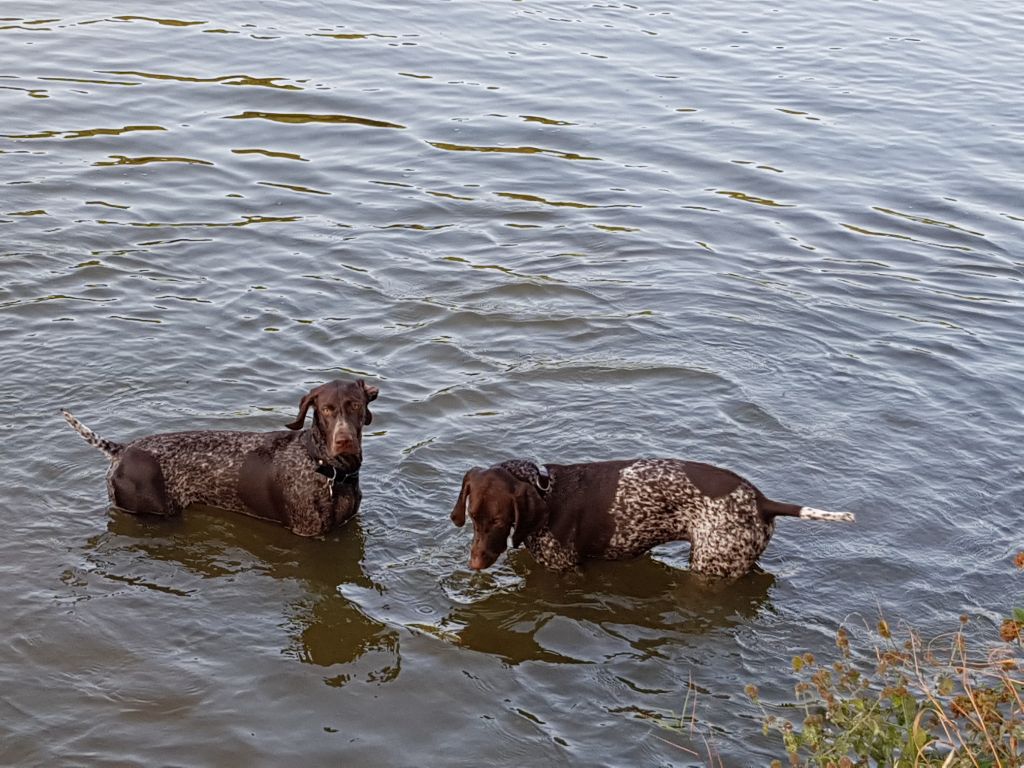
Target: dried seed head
x=1011, y=631
x=843, y=639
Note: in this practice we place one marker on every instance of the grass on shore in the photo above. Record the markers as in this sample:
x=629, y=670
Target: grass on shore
x=953, y=702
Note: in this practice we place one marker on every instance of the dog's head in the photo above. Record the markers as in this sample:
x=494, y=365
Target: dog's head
x=340, y=411
x=499, y=504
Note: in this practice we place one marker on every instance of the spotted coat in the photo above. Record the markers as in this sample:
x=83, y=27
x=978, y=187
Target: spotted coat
x=205, y=467
x=656, y=502
x=306, y=478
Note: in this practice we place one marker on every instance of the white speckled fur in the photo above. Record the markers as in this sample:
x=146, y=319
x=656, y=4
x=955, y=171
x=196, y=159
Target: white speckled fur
x=656, y=502
x=276, y=476
x=620, y=509
x=810, y=513
x=550, y=552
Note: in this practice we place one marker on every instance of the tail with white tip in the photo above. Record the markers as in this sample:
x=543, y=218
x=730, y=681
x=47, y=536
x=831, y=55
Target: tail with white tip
x=771, y=509
x=810, y=513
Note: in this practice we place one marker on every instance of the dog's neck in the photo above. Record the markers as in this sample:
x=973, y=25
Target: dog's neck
x=536, y=475
x=316, y=447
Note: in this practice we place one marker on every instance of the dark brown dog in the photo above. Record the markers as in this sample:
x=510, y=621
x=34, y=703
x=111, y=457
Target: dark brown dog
x=305, y=479
x=614, y=510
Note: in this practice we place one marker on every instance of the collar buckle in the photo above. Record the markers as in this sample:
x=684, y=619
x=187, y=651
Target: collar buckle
x=543, y=481
x=335, y=478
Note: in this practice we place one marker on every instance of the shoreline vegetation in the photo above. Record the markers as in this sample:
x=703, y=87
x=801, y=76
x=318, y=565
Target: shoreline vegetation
x=955, y=701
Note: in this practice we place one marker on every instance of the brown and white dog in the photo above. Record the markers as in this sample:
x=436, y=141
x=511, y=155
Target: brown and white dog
x=566, y=513
x=305, y=479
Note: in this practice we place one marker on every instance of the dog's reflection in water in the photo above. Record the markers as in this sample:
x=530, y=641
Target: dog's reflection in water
x=634, y=607
x=209, y=552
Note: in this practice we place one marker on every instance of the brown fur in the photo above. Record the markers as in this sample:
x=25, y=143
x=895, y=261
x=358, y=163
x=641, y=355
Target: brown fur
x=614, y=510
x=281, y=476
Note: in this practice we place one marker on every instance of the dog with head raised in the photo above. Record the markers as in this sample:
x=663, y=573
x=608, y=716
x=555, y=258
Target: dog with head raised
x=306, y=479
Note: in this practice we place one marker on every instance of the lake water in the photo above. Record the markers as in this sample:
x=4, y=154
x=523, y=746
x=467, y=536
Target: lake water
x=781, y=238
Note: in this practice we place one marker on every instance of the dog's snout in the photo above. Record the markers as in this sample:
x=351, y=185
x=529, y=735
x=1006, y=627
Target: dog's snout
x=481, y=556
x=344, y=446
x=344, y=442
x=478, y=562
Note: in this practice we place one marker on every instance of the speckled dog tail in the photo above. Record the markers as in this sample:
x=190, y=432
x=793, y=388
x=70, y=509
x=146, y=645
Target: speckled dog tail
x=111, y=449
x=775, y=508
x=810, y=513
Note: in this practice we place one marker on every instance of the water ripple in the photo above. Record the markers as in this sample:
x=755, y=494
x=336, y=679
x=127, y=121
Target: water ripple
x=767, y=252
x=301, y=119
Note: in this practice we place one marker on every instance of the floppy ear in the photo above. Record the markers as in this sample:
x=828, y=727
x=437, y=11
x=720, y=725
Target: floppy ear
x=371, y=393
x=459, y=512
x=370, y=390
x=307, y=400
x=531, y=512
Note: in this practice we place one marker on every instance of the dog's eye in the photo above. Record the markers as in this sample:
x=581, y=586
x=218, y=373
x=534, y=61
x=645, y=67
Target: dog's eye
x=327, y=409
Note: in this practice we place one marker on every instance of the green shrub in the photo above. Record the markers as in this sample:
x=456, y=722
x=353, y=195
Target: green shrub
x=955, y=702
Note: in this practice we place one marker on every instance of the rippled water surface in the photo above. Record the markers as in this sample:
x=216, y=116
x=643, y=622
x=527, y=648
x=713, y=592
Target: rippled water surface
x=781, y=238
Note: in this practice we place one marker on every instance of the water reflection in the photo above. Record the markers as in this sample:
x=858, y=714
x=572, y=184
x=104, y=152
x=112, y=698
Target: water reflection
x=326, y=630
x=633, y=607
x=523, y=613
x=301, y=118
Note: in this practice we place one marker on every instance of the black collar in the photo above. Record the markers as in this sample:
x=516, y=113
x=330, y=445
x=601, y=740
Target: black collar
x=337, y=478
x=315, y=448
x=537, y=475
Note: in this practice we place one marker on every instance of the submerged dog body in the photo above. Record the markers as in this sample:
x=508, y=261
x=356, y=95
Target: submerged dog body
x=305, y=479
x=614, y=510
